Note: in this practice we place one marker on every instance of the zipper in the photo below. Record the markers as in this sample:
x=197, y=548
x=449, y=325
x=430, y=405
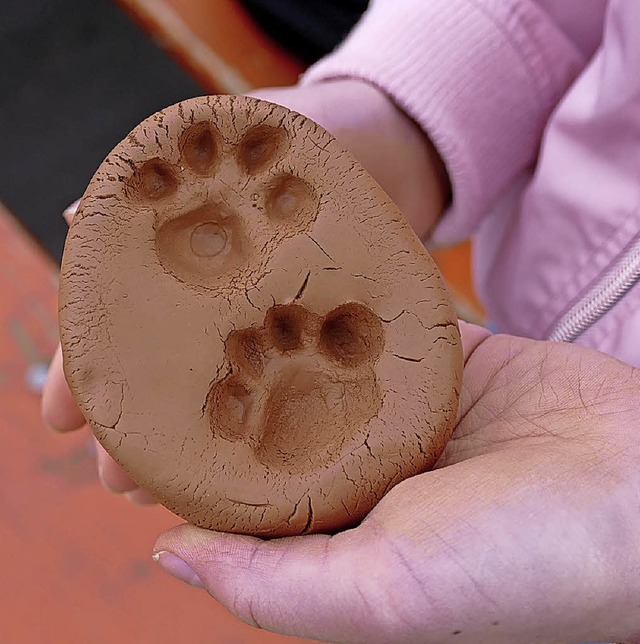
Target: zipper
x=601, y=297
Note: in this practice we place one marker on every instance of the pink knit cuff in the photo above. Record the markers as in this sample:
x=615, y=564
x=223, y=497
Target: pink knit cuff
x=481, y=78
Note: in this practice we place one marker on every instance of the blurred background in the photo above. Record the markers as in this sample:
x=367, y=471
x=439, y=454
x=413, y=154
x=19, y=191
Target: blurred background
x=76, y=78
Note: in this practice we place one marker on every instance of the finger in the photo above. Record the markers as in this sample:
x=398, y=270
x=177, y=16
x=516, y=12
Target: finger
x=70, y=211
x=300, y=586
x=112, y=476
x=141, y=497
x=472, y=337
x=59, y=410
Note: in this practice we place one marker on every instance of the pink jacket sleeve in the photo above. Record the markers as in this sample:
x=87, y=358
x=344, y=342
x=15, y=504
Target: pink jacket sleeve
x=481, y=77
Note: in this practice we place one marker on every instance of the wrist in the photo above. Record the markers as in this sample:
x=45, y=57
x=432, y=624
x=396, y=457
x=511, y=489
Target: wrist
x=390, y=145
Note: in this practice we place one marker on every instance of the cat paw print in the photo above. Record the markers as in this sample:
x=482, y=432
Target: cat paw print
x=301, y=385
x=225, y=207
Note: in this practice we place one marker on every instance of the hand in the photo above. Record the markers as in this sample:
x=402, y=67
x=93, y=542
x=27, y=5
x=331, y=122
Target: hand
x=526, y=531
x=390, y=146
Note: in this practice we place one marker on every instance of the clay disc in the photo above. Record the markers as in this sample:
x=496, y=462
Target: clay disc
x=250, y=327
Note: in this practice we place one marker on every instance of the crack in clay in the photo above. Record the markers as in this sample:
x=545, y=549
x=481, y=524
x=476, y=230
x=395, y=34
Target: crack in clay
x=407, y=358
x=364, y=277
x=393, y=319
x=246, y=293
x=309, y=524
x=345, y=508
x=366, y=444
x=322, y=249
x=251, y=505
x=294, y=511
x=120, y=409
x=302, y=288
x=443, y=325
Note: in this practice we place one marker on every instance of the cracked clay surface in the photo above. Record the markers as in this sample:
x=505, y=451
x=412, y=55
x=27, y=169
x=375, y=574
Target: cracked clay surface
x=249, y=326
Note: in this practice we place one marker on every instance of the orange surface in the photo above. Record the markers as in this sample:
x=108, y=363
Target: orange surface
x=455, y=264
x=74, y=560
x=216, y=41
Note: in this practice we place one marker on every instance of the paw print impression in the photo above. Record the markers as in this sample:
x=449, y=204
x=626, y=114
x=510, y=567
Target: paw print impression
x=250, y=204
x=300, y=386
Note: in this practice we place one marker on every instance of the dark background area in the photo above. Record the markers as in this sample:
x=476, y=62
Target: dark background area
x=307, y=28
x=75, y=78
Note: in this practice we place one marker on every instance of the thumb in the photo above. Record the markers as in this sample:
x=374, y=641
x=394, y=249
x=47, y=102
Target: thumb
x=300, y=586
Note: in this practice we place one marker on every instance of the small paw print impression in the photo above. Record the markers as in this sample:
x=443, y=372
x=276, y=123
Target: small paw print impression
x=250, y=327
x=301, y=385
x=220, y=243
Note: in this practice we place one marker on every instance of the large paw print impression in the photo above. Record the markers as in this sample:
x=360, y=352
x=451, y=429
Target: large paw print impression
x=300, y=385
x=247, y=207
x=250, y=327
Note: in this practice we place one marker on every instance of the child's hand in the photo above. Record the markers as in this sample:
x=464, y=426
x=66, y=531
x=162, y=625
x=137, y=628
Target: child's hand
x=390, y=146
x=526, y=532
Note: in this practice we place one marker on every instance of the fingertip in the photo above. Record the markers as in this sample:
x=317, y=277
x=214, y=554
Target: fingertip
x=112, y=477
x=265, y=583
x=69, y=212
x=472, y=337
x=140, y=497
x=58, y=408
x=230, y=566
x=177, y=568
x=194, y=544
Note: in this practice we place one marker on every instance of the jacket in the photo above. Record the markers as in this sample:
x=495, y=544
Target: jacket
x=534, y=107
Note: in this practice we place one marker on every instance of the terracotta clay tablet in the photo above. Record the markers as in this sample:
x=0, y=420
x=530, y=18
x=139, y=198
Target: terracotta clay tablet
x=250, y=327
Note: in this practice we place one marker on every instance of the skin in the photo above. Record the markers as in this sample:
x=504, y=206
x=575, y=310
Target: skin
x=526, y=531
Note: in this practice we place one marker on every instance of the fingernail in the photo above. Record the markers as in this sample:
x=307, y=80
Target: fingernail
x=70, y=211
x=53, y=428
x=104, y=485
x=178, y=568
x=140, y=498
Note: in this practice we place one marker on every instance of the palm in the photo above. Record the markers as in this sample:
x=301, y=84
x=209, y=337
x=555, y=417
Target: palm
x=521, y=517
x=526, y=530
x=519, y=394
